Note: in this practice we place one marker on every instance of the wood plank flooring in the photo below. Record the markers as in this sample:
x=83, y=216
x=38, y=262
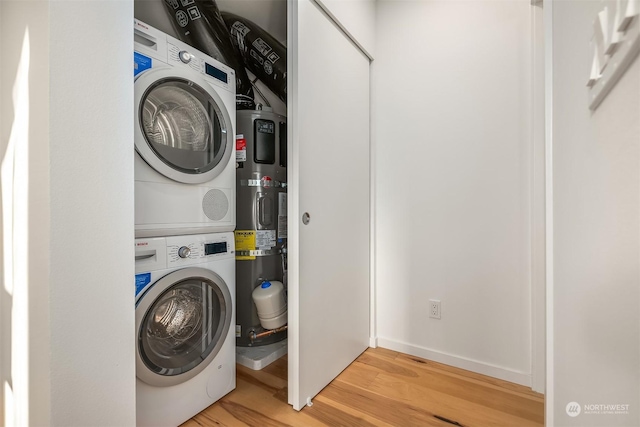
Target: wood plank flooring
x=381, y=388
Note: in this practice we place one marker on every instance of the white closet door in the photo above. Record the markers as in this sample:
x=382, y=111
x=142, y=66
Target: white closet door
x=329, y=179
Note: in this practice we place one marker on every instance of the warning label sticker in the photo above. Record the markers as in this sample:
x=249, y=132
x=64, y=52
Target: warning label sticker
x=142, y=280
x=282, y=227
x=282, y=215
x=273, y=57
x=268, y=67
x=262, y=46
x=238, y=28
x=194, y=13
x=245, y=241
x=265, y=239
x=140, y=63
x=241, y=148
x=182, y=18
x=257, y=57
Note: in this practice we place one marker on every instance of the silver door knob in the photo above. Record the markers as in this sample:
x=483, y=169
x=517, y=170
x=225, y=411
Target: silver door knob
x=306, y=218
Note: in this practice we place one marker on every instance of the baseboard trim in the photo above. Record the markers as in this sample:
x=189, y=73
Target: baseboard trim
x=505, y=374
x=373, y=342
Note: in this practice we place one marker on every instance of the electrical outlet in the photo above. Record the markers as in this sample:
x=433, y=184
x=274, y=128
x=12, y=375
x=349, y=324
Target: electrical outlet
x=434, y=309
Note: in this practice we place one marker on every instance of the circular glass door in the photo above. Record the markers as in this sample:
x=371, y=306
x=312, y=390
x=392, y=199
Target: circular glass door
x=181, y=326
x=184, y=130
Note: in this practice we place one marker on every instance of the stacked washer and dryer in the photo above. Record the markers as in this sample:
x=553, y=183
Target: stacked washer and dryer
x=185, y=199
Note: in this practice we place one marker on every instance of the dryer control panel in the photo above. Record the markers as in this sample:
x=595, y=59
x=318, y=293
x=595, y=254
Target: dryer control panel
x=151, y=44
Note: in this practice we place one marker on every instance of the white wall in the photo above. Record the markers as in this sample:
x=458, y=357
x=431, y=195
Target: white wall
x=596, y=208
x=454, y=177
x=24, y=217
x=68, y=214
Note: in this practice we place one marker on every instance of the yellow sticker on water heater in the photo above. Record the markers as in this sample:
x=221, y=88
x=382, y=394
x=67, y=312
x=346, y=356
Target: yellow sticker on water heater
x=245, y=241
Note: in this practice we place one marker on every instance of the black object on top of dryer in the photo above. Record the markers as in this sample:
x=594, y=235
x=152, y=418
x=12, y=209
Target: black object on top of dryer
x=263, y=55
x=199, y=24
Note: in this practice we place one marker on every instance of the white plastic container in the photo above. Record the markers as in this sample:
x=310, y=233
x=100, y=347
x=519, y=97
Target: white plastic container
x=271, y=304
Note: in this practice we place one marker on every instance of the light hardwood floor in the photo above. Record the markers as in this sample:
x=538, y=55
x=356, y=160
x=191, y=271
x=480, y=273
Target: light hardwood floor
x=381, y=388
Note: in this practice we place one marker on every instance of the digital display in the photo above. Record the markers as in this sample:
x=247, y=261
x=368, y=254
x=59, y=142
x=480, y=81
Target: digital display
x=264, y=142
x=265, y=126
x=216, y=73
x=215, y=248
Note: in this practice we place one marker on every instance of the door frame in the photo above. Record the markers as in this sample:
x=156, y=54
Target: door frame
x=539, y=240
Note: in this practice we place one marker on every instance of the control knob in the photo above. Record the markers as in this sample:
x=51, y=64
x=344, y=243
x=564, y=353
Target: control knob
x=185, y=56
x=184, y=252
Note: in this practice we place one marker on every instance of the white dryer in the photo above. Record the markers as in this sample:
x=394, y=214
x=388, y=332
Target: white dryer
x=185, y=307
x=184, y=138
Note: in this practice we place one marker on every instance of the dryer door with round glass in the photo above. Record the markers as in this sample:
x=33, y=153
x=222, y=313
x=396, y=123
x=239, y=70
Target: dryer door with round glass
x=182, y=322
x=183, y=129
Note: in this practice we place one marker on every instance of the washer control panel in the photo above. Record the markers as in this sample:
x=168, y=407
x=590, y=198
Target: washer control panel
x=189, y=250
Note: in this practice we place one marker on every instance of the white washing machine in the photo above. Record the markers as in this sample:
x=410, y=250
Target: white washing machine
x=184, y=138
x=185, y=309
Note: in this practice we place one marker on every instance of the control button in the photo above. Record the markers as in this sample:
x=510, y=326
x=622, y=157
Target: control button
x=185, y=56
x=184, y=252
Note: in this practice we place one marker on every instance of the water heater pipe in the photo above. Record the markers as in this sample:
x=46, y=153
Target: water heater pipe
x=253, y=336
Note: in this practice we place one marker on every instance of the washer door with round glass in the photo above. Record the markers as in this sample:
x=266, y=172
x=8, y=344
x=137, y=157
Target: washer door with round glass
x=183, y=128
x=182, y=322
